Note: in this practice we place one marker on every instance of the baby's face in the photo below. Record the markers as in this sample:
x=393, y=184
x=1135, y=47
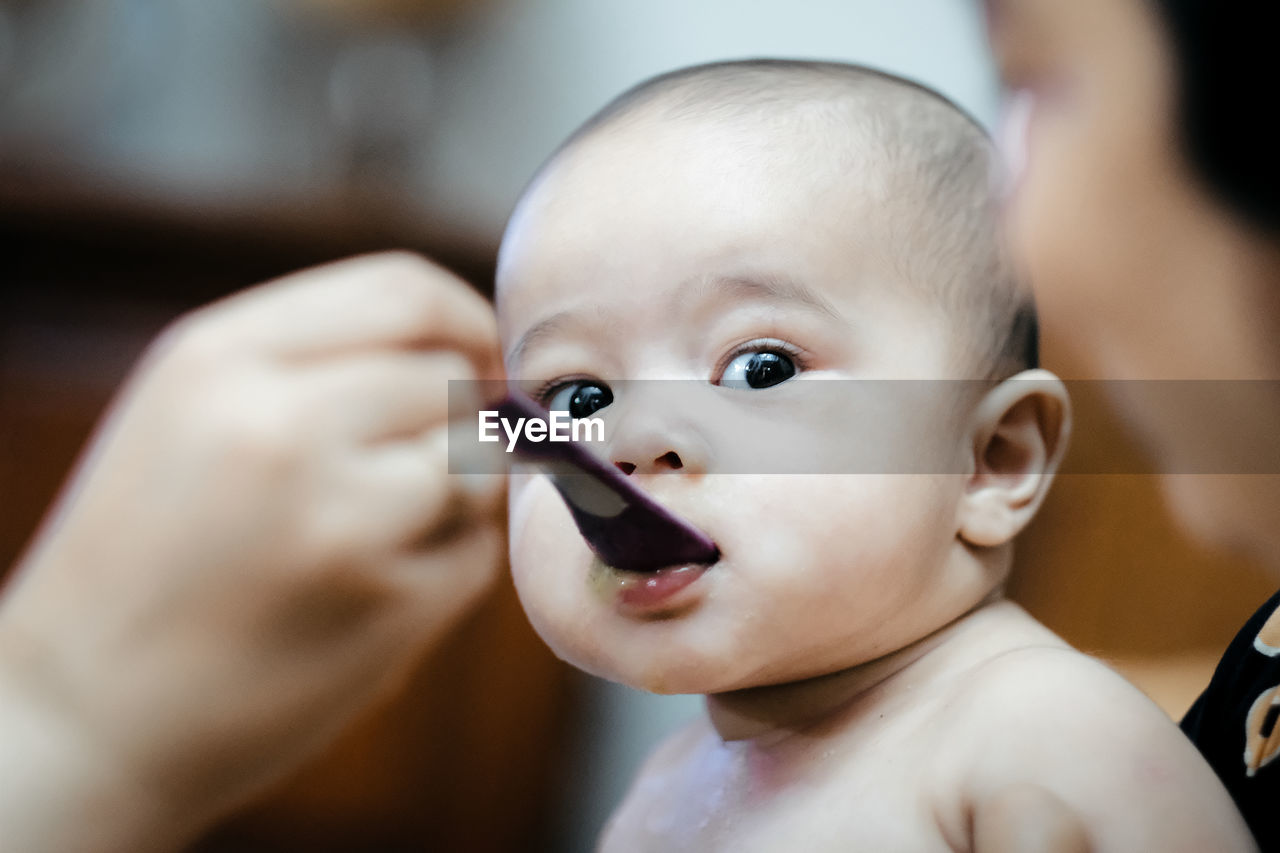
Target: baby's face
x=676, y=254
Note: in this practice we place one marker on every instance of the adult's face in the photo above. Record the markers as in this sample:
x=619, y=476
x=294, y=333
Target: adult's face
x=1138, y=267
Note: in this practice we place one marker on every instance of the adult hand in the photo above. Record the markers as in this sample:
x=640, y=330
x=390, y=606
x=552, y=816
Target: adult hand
x=260, y=540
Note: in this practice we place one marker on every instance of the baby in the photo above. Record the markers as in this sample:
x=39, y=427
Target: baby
x=748, y=228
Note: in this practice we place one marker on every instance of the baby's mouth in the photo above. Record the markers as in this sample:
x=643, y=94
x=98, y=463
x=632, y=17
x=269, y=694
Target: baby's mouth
x=651, y=593
x=640, y=536
x=627, y=529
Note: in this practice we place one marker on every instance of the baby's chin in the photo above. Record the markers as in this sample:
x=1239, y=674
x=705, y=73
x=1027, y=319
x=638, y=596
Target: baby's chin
x=658, y=661
x=656, y=675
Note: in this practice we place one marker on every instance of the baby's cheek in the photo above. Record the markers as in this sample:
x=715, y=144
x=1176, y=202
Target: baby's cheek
x=538, y=519
x=548, y=557
x=860, y=539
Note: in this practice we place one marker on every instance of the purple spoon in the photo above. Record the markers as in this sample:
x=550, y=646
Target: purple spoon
x=624, y=526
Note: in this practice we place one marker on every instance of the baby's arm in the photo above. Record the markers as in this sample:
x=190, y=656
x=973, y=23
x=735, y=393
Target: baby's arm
x=1027, y=818
x=1056, y=750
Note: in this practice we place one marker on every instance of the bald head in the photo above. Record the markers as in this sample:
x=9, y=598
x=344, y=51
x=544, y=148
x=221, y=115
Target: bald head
x=924, y=168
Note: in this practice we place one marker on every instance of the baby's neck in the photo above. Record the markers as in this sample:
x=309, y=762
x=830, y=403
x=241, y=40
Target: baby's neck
x=772, y=713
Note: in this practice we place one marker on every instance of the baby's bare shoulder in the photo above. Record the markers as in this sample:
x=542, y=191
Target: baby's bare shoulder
x=1049, y=718
x=1049, y=678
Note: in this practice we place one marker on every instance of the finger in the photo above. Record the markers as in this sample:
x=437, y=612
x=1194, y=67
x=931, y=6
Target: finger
x=444, y=583
x=403, y=495
x=421, y=595
x=392, y=395
x=394, y=299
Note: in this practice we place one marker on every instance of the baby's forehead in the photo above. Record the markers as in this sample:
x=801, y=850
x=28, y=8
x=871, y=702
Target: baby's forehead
x=704, y=204
x=686, y=165
x=886, y=173
x=807, y=148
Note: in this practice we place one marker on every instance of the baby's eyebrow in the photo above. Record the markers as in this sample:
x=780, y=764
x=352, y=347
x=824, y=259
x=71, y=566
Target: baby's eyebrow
x=770, y=288
x=773, y=288
x=541, y=329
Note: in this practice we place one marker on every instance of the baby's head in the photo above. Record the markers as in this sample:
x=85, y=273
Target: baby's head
x=748, y=227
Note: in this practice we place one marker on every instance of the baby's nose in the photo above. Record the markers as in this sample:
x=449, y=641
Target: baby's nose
x=669, y=461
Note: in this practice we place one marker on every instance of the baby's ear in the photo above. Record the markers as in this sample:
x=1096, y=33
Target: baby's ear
x=1020, y=431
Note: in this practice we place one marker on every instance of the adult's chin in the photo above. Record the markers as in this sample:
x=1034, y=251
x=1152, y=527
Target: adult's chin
x=1229, y=512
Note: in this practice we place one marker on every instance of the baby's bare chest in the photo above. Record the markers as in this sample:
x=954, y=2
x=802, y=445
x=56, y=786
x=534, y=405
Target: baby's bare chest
x=875, y=795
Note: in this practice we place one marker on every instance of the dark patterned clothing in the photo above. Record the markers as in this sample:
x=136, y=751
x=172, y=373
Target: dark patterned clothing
x=1234, y=723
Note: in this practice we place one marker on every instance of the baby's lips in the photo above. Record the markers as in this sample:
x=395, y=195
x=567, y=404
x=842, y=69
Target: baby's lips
x=624, y=526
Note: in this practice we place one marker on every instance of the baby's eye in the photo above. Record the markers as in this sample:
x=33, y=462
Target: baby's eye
x=580, y=399
x=758, y=370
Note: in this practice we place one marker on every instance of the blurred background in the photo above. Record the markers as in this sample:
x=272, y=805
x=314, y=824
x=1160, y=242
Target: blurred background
x=156, y=154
